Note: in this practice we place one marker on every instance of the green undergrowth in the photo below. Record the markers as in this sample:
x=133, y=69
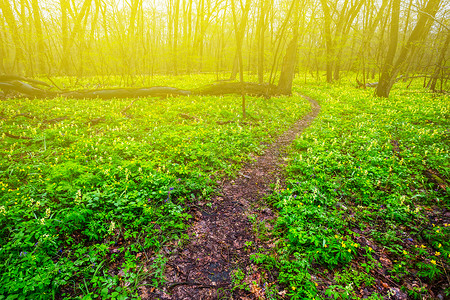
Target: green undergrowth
x=186, y=81
x=359, y=202
x=90, y=193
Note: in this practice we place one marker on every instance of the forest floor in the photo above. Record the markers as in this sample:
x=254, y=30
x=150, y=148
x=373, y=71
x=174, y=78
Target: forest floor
x=177, y=199
x=221, y=237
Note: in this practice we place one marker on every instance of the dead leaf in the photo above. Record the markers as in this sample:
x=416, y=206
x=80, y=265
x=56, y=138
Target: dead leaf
x=386, y=262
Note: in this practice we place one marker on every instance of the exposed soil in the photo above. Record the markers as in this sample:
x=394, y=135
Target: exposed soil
x=221, y=234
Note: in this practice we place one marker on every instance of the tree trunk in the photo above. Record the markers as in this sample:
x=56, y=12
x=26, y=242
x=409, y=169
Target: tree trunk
x=65, y=36
x=279, y=40
x=261, y=30
x=187, y=34
x=390, y=70
x=439, y=64
x=367, y=37
x=39, y=36
x=288, y=67
x=175, y=37
x=10, y=20
x=132, y=40
x=240, y=33
x=386, y=80
x=3, y=52
x=328, y=41
x=77, y=29
x=342, y=30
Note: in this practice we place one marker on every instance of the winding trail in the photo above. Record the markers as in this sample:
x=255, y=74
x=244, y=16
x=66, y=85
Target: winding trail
x=221, y=235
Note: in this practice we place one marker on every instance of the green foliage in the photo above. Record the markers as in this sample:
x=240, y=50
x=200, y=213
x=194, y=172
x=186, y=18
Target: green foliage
x=354, y=276
x=79, y=200
x=360, y=168
x=237, y=280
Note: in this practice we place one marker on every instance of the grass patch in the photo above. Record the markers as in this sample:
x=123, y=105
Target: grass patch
x=90, y=196
x=360, y=216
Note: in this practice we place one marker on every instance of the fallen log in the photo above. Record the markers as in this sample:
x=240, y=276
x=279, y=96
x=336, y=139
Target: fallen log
x=24, y=87
x=156, y=91
x=19, y=85
x=248, y=88
x=8, y=78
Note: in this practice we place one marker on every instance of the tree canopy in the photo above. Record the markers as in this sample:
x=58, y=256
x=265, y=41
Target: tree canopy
x=143, y=37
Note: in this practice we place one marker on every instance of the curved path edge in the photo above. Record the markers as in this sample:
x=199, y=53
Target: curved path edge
x=221, y=238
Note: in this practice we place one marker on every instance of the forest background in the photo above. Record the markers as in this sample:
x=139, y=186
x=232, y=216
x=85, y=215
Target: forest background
x=140, y=37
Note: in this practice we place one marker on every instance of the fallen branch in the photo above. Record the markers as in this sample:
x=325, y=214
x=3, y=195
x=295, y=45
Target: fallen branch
x=55, y=120
x=175, y=284
x=235, y=121
x=187, y=117
x=29, y=116
x=96, y=121
x=124, y=111
x=156, y=91
x=197, y=284
x=17, y=137
x=436, y=178
x=26, y=89
x=386, y=278
x=225, y=122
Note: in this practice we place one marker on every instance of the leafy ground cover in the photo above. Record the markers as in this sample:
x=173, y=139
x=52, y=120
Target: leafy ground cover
x=91, y=196
x=365, y=213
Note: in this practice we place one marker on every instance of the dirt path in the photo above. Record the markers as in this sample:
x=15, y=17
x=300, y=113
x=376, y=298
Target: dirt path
x=221, y=234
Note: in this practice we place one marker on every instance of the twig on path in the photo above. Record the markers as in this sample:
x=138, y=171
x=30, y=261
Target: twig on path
x=209, y=286
x=197, y=284
x=387, y=278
